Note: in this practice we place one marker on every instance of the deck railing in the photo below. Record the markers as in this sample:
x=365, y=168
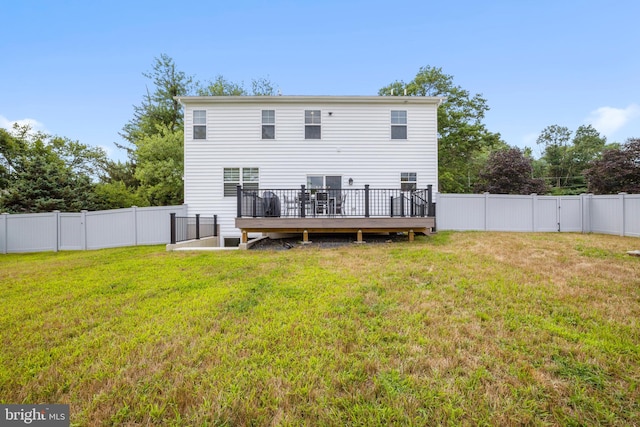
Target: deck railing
x=327, y=202
x=194, y=227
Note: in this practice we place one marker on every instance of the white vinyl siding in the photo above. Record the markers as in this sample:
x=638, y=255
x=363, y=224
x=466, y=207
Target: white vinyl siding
x=355, y=144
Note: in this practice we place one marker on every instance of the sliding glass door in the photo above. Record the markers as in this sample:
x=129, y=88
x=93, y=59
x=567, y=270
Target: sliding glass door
x=328, y=182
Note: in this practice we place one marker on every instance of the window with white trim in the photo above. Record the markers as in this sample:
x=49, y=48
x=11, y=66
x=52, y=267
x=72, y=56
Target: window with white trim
x=199, y=124
x=247, y=177
x=408, y=181
x=312, y=124
x=268, y=124
x=398, y=124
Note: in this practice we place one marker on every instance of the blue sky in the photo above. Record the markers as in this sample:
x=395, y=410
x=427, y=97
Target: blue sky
x=74, y=68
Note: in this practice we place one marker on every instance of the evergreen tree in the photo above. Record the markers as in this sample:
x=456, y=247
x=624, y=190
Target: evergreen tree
x=51, y=175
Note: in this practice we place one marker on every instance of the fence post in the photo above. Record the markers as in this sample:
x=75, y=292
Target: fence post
x=239, y=200
x=172, y=219
x=83, y=230
x=197, y=226
x=56, y=219
x=584, y=213
x=4, y=223
x=486, y=210
x=591, y=215
x=435, y=214
x=534, y=208
x=215, y=226
x=134, y=212
x=622, y=218
x=366, y=201
x=303, y=201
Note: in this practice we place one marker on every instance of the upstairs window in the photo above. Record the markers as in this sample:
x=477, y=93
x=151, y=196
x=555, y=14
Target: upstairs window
x=312, y=124
x=268, y=124
x=247, y=177
x=408, y=181
x=199, y=124
x=398, y=124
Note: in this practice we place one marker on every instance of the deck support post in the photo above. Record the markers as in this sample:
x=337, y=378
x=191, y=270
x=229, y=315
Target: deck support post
x=305, y=237
x=411, y=235
x=359, y=238
x=244, y=237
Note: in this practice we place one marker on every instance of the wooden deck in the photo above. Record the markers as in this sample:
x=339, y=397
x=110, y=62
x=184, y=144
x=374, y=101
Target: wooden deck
x=359, y=226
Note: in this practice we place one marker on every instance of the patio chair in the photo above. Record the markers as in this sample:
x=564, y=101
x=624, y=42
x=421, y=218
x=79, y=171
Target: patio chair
x=291, y=205
x=322, y=203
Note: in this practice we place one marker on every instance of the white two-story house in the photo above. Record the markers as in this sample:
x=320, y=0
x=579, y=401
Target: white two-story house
x=278, y=143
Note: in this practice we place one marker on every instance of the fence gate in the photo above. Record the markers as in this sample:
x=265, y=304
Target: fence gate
x=570, y=214
x=547, y=214
x=559, y=214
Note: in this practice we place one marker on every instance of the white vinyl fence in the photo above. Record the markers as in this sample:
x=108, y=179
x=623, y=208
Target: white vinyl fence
x=56, y=231
x=616, y=214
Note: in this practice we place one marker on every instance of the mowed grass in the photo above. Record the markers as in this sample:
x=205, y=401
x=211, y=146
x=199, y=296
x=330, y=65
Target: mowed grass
x=455, y=328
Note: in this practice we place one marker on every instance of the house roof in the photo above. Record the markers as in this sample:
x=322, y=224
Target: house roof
x=304, y=99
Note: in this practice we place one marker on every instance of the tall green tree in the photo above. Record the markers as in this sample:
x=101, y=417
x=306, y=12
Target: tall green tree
x=48, y=173
x=10, y=147
x=462, y=136
x=158, y=113
x=161, y=167
x=159, y=108
x=223, y=87
x=262, y=86
x=555, y=140
x=118, y=186
x=587, y=145
x=153, y=173
x=567, y=154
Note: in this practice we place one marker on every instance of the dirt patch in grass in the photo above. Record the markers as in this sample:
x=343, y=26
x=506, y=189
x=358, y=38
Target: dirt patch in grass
x=327, y=241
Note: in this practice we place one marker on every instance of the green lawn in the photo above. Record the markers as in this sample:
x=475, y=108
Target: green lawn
x=456, y=328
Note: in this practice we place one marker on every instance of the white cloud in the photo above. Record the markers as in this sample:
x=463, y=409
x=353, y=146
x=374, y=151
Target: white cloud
x=33, y=123
x=607, y=120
